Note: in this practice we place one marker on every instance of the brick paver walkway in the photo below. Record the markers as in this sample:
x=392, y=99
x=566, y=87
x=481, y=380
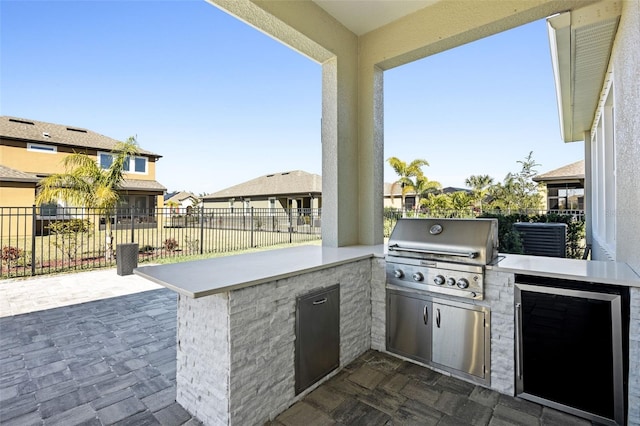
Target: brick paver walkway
x=111, y=361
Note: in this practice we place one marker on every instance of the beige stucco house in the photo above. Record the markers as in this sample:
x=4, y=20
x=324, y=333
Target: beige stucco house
x=181, y=202
x=31, y=150
x=564, y=187
x=294, y=189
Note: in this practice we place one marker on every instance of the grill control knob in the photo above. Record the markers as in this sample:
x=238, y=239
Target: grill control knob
x=451, y=281
x=463, y=283
x=439, y=279
x=418, y=276
x=398, y=273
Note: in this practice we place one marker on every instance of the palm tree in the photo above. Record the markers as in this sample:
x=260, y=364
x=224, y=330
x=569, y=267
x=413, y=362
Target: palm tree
x=86, y=184
x=406, y=173
x=425, y=187
x=480, y=185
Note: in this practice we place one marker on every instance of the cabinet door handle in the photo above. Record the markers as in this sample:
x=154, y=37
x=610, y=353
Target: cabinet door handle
x=425, y=315
x=320, y=302
x=438, y=317
x=518, y=325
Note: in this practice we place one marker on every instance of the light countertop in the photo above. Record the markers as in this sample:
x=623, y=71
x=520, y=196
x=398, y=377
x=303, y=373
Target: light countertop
x=218, y=275
x=616, y=273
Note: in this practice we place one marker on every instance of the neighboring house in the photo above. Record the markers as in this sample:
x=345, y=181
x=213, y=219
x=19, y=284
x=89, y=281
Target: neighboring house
x=393, y=196
x=395, y=200
x=295, y=189
x=31, y=150
x=564, y=187
x=181, y=202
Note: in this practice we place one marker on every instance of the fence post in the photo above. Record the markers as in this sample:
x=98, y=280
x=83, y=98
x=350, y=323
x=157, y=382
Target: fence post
x=290, y=227
x=251, y=225
x=33, y=240
x=201, y=230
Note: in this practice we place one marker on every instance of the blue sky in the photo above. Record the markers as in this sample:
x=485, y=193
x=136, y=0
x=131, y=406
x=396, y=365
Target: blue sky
x=223, y=103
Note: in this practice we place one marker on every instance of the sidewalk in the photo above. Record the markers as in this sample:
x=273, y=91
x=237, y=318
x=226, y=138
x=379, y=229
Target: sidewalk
x=24, y=295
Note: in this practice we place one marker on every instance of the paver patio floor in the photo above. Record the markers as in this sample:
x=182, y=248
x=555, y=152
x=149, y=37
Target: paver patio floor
x=113, y=361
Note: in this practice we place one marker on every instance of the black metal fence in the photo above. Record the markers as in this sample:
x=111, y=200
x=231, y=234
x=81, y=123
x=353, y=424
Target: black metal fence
x=38, y=242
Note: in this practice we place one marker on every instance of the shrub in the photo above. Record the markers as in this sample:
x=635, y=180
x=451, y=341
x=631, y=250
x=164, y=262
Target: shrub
x=69, y=232
x=11, y=254
x=170, y=244
x=193, y=244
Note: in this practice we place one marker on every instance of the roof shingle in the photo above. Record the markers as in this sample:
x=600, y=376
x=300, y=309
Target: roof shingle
x=285, y=183
x=57, y=134
x=11, y=175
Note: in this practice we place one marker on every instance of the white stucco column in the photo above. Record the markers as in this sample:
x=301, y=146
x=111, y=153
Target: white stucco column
x=340, y=177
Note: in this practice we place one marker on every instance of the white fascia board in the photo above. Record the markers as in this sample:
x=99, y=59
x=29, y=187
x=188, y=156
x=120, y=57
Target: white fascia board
x=559, y=30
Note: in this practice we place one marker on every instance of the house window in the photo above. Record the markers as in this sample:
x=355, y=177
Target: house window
x=247, y=205
x=36, y=147
x=565, y=197
x=140, y=165
x=105, y=160
x=130, y=165
x=272, y=205
x=231, y=202
x=49, y=209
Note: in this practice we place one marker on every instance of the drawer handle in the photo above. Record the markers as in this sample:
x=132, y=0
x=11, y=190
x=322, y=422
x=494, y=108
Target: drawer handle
x=438, y=318
x=320, y=302
x=425, y=315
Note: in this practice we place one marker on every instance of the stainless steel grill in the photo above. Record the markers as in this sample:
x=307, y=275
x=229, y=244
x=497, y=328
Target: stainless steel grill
x=446, y=256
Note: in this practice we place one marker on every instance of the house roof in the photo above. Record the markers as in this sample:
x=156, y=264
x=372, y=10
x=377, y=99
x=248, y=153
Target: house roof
x=57, y=134
x=141, y=185
x=275, y=184
x=179, y=196
x=397, y=190
x=570, y=171
x=8, y=174
x=11, y=175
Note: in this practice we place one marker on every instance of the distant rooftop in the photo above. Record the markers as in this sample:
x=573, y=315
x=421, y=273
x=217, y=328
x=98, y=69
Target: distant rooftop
x=24, y=129
x=274, y=184
x=568, y=172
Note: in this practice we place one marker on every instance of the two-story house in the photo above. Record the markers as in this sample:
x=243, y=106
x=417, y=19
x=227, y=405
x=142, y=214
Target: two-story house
x=31, y=150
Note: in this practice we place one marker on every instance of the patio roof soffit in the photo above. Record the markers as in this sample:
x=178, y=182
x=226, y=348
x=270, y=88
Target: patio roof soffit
x=581, y=42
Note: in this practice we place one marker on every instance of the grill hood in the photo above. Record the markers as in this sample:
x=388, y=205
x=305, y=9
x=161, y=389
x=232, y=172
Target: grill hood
x=468, y=241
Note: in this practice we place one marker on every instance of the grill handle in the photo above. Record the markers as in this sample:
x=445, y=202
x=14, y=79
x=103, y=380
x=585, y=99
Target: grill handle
x=469, y=254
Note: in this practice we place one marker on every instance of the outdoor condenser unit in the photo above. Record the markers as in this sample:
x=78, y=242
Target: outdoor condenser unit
x=543, y=239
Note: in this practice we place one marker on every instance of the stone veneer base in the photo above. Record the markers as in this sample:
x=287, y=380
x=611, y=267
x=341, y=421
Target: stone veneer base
x=243, y=371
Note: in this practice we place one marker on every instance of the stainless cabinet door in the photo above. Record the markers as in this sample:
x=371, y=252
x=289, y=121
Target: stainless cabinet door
x=409, y=326
x=317, y=350
x=458, y=338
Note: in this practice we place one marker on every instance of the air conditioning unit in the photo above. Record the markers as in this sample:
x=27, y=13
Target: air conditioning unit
x=543, y=239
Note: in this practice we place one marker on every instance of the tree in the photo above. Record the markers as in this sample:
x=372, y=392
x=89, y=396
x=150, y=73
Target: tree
x=86, y=184
x=424, y=187
x=406, y=174
x=480, y=185
x=518, y=191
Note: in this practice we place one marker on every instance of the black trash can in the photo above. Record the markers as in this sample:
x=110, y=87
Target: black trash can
x=126, y=258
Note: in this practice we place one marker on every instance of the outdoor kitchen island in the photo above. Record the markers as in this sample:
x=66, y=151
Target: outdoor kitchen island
x=236, y=325
x=236, y=321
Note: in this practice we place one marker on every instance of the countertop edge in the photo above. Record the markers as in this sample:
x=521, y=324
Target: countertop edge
x=347, y=254
x=604, y=272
